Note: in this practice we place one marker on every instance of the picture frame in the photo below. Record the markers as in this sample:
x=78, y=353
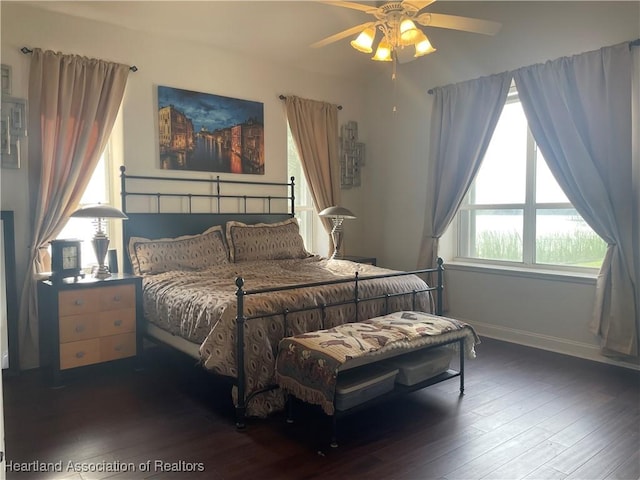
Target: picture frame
x=210, y=133
x=16, y=110
x=10, y=146
x=5, y=79
x=9, y=306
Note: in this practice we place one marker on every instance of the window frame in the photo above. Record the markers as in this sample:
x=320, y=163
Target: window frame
x=313, y=228
x=462, y=239
x=88, y=260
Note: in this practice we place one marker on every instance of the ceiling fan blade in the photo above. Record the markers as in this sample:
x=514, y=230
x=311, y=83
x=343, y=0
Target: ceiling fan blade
x=340, y=35
x=352, y=5
x=453, y=22
x=418, y=4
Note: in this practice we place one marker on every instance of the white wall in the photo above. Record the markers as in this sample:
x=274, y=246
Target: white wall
x=162, y=61
x=540, y=311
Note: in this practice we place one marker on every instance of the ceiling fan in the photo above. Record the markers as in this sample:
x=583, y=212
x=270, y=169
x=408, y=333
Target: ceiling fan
x=397, y=22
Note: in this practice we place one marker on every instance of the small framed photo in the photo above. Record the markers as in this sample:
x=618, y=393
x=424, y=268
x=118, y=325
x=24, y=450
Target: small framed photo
x=5, y=79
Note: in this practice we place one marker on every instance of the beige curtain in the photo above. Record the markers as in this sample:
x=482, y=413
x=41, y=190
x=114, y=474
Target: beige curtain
x=73, y=103
x=463, y=119
x=579, y=112
x=314, y=127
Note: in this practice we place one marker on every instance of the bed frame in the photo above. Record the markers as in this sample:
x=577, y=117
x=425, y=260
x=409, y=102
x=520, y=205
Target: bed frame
x=158, y=223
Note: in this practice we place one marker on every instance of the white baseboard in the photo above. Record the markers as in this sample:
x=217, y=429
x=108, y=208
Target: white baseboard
x=546, y=342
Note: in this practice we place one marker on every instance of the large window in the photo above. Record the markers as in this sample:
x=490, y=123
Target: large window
x=515, y=211
x=82, y=228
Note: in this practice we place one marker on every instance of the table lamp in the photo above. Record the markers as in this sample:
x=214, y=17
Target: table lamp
x=100, y=240
x=337, y=215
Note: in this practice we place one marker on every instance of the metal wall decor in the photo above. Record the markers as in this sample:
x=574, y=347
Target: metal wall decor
x=5, y=79
x=351, y=155
x=13, y=129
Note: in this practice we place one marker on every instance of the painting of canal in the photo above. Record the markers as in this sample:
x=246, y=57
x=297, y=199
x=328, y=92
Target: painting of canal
x=210, y=133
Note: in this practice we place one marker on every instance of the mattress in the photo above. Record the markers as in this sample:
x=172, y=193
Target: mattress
x=360, y=385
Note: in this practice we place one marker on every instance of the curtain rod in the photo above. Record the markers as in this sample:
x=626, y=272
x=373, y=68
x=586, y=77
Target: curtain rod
x=632, y=43
x=282, y=97
x=27, y=50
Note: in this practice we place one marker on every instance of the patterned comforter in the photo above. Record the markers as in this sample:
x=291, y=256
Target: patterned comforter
x=200, y=306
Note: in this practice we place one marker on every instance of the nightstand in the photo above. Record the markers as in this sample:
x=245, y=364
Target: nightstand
x=358, y=259
x=88, y=321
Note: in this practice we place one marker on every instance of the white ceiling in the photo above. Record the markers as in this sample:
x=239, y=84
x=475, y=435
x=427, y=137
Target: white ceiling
x=280, y=31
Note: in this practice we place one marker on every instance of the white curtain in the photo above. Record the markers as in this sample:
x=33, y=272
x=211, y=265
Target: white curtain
x=463, y=120
x=579, y=112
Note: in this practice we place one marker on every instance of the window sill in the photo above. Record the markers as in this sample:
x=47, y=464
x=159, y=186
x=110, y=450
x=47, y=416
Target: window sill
x=586, y=278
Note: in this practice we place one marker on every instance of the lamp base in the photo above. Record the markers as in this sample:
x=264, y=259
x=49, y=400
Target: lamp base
x=102, y=272
x=100, y=247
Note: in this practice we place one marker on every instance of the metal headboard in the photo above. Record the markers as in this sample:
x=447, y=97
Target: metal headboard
x=161, y=223
x=217, y=183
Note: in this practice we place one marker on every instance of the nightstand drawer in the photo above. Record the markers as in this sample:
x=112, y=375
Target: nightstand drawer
x=117, y=346
x=115, y=298
x=78, y=327
x=117, y=321
x=75, y=302
x=77, y=354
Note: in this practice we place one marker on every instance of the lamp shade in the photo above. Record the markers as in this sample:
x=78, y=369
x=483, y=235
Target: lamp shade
x=408, y=32
x=98, y=211
x=423, y=46
x=337, y=212
x=365, y=40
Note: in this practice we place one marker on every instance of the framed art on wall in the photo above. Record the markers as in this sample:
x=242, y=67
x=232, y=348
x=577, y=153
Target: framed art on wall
x=211, y=133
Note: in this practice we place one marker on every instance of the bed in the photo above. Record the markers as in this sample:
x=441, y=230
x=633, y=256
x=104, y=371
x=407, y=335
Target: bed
x=227, y=284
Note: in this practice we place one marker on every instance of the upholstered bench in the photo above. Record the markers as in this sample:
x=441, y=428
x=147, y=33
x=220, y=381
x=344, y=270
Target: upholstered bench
x=353, y=364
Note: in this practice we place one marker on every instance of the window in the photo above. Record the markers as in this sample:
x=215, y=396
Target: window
x=516, y=213
x=305, y=212
x=81, y=228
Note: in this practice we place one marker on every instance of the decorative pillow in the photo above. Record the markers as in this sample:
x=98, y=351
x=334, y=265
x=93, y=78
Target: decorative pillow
x=265, y=241
x=189, y=252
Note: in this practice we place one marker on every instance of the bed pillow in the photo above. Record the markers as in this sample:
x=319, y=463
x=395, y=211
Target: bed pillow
x=189, y=252
x=265, y=241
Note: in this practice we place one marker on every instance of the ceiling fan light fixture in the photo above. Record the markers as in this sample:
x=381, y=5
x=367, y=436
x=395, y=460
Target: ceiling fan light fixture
x=383, y=52
x=408, y=32
x=364, y=42
x=424, y=47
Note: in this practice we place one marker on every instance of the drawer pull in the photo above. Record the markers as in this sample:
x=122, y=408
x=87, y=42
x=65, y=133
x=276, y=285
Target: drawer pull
x=79, y=354
x=117, y=298
x=79, y=328
x=118, y=348
x=79, y=302
x=117, y=323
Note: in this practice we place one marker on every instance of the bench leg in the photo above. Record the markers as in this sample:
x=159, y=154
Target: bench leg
x=289, y=408
x=462, y=366
x=334, y=431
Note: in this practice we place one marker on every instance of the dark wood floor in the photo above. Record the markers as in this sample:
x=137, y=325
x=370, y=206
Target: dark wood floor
x=526, y=414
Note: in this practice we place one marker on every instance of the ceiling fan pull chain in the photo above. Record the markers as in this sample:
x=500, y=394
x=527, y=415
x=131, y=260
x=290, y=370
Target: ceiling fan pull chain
x=394, y=81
